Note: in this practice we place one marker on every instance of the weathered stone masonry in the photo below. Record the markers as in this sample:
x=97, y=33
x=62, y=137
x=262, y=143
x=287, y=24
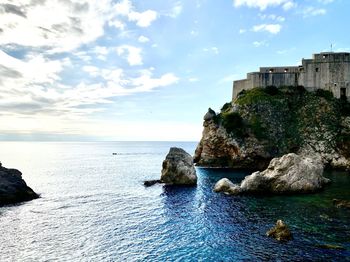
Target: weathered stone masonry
x=328, y=71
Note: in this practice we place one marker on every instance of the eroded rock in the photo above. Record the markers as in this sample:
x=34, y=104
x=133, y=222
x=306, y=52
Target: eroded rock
x=178, y=168
x=224, y=185
x=280, y=232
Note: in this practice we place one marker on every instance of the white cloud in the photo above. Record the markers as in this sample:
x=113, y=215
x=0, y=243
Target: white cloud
x=132, y=53
x=143, y=39
x=242, y=31
x=263, y=4
x=193, y=79
x=143, y=19
x=312, y=11
x=260, y=43
x=60, y=26
x=176, y=10
x=213, y=49
x=272, y=17
x=271, y=28
x=289, y=5
x=33, y=87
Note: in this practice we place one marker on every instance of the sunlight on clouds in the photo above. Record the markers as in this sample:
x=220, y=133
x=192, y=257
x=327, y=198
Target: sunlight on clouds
x=271, y=28
x=132, y=54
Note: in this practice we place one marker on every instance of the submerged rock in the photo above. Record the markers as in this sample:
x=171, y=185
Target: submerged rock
x=148, y=183
x=280, y=232
x=178, y=168
x=340, y=203
x=13, y=188
x=224, y=185
x=288, y=174
x=330, y=246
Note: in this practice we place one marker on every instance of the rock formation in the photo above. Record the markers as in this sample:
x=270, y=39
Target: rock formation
x=261, y=124
x=280, y=232
x=178, y=168
x=224, y=185
x=340, y=203
x=13, y=188
x=288, y=174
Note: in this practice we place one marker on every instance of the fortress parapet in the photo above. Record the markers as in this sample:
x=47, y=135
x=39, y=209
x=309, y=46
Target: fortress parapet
x=328, y=71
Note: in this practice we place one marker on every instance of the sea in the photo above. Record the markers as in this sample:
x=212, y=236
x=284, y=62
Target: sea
x=94, y=207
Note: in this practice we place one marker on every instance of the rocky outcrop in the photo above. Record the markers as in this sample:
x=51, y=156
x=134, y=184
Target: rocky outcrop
x=224, y=185
x=13, y=188
x=340, y=203
x=210, y=115
x=260, y=125
x=280, y=232
x=288, y=174
x=178, y=168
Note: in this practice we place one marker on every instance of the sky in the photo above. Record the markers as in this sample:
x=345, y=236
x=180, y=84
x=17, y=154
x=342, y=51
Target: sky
x=132, y=70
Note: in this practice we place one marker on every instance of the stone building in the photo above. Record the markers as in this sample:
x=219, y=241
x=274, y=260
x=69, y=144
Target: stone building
x=328, y=71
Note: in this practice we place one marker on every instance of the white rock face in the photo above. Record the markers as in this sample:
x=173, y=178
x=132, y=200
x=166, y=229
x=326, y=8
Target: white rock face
x=288, y=174
x=226, y=186
x=178, y=168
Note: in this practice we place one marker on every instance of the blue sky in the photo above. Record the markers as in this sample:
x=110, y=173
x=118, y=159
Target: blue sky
x=145, y=70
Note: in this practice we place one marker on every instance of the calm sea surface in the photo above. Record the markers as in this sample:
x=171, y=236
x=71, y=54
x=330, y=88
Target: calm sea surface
x=94, y=207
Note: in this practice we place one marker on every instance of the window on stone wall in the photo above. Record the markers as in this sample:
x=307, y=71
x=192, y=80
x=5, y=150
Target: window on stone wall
x=286, y=70
x=271, y=70
x=316, y=69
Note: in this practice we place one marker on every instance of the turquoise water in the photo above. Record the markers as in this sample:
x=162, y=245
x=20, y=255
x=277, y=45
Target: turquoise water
x=93, y=207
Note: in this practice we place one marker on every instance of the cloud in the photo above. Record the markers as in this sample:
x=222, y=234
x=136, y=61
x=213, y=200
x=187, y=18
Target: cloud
x=143, y=39
x=193, y=79
x=260, y=43
x=263, y=4
x=242, y=31
x=61, y=26
x=132, y=53
x=176, y=10
x=213, y=49
x=312, y=11
x=33, y=87
x=272, y=17
x=271, y=28
x=143, y=19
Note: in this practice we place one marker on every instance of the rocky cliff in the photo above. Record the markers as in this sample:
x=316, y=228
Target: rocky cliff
x=13, y=188
x=261, y=124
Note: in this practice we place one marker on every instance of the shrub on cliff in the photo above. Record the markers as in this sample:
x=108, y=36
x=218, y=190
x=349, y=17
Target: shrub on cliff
x=233, y=123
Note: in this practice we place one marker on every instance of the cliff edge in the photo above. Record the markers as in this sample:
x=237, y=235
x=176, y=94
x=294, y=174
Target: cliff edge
x=264, y=123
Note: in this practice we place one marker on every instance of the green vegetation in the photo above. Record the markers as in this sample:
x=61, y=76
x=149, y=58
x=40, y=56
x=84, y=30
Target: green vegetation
x=233, y=123
x=325, y=94
x=285, y=118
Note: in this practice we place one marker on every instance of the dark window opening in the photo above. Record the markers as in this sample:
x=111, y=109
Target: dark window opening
x=335, y=84
x=301, y=69
x=324, y=56
x=316, y=69
x=343, y=93
x=286, y=70
x=271, y=70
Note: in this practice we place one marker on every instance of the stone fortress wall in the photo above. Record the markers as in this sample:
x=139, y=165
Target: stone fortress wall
x=328, y=71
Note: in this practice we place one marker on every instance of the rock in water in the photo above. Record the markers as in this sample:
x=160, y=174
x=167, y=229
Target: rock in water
x=280, y=232
x=178, y=168
x=340, y=203
x=148, y=183
x=226, y=186
x=290, y=173
x=13, y=188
